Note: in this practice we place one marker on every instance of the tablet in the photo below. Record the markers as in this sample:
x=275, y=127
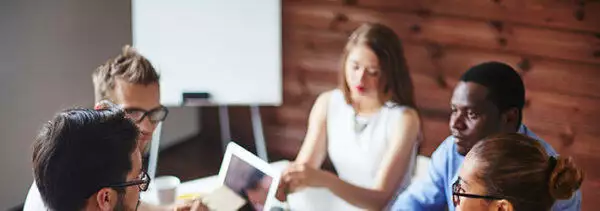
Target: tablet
x=250, y=177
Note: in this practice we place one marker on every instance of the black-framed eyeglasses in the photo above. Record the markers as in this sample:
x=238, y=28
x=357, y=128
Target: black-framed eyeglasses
x=142, y=182
x=458, y=191
x=155, y=115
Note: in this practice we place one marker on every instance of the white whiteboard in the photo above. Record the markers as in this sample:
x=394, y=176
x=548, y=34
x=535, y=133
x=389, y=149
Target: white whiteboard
x=230, y=49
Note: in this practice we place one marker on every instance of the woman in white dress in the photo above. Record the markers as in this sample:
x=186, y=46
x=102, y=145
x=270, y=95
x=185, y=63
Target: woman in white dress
x=369, y=127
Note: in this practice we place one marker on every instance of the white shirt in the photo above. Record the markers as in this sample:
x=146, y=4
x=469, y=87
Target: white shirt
x=34, y=201
x=356, y=145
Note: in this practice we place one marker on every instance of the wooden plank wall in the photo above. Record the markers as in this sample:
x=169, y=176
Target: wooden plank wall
x=555, y=44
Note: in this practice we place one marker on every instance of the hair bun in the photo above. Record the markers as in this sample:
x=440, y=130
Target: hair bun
x=565, y=178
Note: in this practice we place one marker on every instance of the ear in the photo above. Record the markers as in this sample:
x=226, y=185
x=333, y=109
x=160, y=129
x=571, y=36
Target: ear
x=509, y=119
x=503, y=205
x=106, y=198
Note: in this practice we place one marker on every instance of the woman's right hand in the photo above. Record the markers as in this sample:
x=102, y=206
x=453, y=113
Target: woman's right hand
x=282, y=191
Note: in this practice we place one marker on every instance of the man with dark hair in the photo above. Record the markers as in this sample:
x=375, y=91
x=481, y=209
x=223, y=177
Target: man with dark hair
x=489, y=99
x=87, y=159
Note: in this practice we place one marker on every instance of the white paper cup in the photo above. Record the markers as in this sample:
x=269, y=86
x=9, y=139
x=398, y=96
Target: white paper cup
x=166, y=189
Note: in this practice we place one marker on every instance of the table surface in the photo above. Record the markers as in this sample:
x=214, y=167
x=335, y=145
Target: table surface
x=307, y=199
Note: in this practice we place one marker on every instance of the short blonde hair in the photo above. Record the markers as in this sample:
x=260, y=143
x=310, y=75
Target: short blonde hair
x=129, y=66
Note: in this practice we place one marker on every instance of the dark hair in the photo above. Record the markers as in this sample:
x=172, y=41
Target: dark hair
x=504, y=84
x=129, y=66
x=81, y=151
x=395, y=81
x=518, y=168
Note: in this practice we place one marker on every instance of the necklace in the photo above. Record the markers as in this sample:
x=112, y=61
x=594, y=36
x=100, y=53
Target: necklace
x=360, y=124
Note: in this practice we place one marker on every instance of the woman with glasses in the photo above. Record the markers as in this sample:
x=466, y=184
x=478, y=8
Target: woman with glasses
x=512, y=172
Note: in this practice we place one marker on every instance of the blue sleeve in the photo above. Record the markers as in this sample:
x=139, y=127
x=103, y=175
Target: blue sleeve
x=427, y=193
x=573, y=204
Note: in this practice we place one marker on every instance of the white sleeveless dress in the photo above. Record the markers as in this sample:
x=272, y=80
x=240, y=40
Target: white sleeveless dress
x=356, y=145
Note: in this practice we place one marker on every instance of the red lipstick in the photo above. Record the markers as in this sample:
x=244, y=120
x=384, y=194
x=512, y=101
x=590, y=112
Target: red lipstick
x=360, y=88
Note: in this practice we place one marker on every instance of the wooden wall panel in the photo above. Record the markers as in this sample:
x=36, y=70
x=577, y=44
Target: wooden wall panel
x=447, y=30
x=435, y=131
x=558, y=14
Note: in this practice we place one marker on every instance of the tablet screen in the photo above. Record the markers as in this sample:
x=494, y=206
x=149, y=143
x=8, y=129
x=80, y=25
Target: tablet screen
x=248, y=182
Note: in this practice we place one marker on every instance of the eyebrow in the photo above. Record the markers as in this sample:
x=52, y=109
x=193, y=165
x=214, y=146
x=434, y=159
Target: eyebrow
x=467, y=107
x=355, y=62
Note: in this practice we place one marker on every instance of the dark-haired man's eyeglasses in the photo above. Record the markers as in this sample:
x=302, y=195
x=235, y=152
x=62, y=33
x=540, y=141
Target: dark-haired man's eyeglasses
x=458, y=191
x=142, y=182
x=155, y=115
